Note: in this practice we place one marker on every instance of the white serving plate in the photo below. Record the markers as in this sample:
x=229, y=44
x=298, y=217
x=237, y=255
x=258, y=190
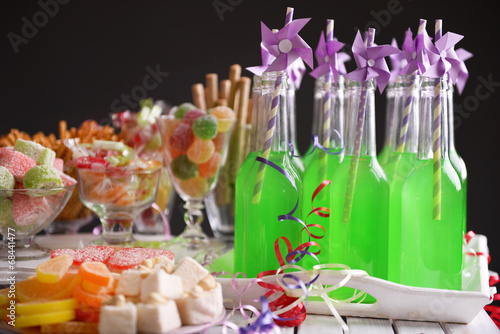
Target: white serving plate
x=394, y=301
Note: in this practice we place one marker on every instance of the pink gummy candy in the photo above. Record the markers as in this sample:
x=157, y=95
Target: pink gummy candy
x=128, y=258
x=3, y=149
x=16, y=163
x=182, y=137
x=93, y=254
x=191, y=115
x=67, y=180
x=29, y=210
x=59, y=252
x=59, y=164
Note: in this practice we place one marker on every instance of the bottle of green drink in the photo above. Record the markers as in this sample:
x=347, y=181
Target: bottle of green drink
x=456, y=160
x=432, y=220
x=359, y=191
x=266, y=193
x=317, y=101
x=255, y=143
x=323, y=164
x=383, y=156
x=402, y=159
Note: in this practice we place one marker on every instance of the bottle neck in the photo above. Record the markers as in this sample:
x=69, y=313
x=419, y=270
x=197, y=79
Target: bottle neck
x=257, y=123
x=275, y=132
x=451, y=122
x=433, y=118
x=406, y=114
x=361, y=119
x=292, y=115
x=389, y=114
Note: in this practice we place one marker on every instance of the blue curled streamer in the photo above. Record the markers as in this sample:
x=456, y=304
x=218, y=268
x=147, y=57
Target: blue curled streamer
x=317, y=145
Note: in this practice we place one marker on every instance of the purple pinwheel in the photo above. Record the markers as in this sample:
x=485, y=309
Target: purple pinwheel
x=396, y=61
x=414, y=54
x=442, y=56
x=326, y=55
x=371, y=63
x=286, y=45
x=463, y=73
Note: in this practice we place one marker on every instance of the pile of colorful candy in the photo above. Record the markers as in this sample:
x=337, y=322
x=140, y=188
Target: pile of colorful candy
x=114, y=290
x=193, y=142
x=31, y=183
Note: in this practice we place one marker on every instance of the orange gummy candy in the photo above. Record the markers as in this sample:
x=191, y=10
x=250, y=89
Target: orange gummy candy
x=89, y=299
x=53, y=270
x=95, y=272
x=34, y=290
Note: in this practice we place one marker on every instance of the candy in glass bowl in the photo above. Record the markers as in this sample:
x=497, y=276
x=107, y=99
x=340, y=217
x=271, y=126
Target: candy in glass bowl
x=116, y=184
x=194, y=145
x=33, y=191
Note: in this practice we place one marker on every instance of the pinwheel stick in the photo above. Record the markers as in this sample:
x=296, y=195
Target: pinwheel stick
x=360, y=124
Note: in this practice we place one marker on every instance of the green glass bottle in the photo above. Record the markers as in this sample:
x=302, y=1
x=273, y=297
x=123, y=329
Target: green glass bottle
x=317, y=100
x=402, y=159
x=258, y=227
x=292, y=132
x=323, y=165
x=359, y=191
x=255, y=143
x=432, y=220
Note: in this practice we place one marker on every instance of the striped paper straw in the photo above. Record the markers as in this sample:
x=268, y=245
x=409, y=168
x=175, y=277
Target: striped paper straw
x=322, y=164
x=271, y=126
x=436, y=137
x=360, y=123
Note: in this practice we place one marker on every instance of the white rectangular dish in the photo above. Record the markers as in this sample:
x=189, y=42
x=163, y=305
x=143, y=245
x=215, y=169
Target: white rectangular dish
x=395, y=301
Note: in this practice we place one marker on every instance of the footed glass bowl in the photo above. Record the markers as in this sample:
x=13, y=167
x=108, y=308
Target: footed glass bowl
x=24, y=213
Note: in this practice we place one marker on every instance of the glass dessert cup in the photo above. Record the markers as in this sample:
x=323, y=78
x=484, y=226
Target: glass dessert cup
x=117, y=196
x=24, y=213
x=194, y=165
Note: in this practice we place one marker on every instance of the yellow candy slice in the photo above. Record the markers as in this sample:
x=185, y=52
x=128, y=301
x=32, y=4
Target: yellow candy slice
x=46, y=307
x=3, y=300
x=44, y=318
x=53, y=270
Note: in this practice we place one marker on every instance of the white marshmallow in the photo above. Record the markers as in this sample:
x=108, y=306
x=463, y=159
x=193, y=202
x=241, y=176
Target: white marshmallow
x=191, y=272
x=129, y=283
x=169, y=286
x=158, y=318
x=118, y=319
x=200, y=306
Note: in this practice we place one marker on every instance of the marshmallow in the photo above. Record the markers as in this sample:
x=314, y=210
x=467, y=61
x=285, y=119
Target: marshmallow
x=129, y=283
x=120, y=318
x=191, y=272
x=159, y=315
x=200, y=306
x=169, y=286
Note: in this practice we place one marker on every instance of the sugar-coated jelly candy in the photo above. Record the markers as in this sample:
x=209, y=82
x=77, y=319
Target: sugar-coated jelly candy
x=183, y=109
x=16, y=163
x=205, y=127
x=219, y=141
x=200, y=151
x=195, y=187
x=7, y=181
x=40, y=154
x=191, y=115
x=226, y=117
x=42, y=177
x=210, y=168
x=182, y=168
x=28, y=210
x=181, y=138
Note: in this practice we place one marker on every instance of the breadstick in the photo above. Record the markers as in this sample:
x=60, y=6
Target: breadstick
x=212, y=91
x=198, y=93
x=234, y=77
x=225, y=89
x=62, y=129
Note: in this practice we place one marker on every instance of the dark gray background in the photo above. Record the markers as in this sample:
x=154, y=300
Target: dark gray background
x=84, y=57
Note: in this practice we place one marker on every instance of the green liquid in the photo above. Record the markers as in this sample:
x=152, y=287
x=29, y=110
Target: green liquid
x=458, y=163
x=383, y=156
x=308, y=157
x=257, y=224
x=432, y=249
x=312, y=179
x=238, y=216
x=398, y=167
x=361, y=243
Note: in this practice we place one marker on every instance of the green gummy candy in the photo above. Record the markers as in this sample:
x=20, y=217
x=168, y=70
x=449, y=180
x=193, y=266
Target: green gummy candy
x=7, y=181
x=42, y=177
x=47, y=157
x=205, y=127
x=183, y=168
x=6, y=217
x=35, y=151
x=183, y=109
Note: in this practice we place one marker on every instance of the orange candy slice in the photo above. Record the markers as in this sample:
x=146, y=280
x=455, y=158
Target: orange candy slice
x=95, y=272
x=34, y=290
x=89, y=299
x=53, y=270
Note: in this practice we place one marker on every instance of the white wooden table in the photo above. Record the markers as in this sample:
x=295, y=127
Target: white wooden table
x=314, y=324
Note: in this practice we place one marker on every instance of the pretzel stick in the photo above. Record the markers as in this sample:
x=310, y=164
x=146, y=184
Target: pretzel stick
x=212, y=80
x=198, y=96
